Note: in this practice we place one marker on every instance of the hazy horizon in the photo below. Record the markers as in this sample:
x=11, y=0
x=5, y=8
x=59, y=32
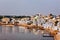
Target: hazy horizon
x=29, y=7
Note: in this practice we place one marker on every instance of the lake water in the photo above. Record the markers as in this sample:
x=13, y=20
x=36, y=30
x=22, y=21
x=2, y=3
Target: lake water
x=20, y=33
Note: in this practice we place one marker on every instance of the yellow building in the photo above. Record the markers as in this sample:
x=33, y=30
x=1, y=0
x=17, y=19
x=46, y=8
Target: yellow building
x=5, y=20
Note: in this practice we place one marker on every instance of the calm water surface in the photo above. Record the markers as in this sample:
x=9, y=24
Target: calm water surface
x=20, y=33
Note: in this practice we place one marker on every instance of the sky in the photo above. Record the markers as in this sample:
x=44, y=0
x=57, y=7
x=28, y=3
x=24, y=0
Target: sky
x=29, y=7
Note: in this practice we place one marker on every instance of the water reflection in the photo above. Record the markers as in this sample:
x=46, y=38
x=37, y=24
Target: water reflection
x=0, y=29
x=21, y=29
x=3, y=29
x=16, y=29
x=19, y=33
